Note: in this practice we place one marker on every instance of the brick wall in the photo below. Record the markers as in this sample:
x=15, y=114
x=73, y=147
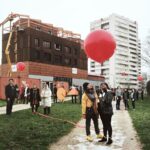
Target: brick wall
x=48, y=70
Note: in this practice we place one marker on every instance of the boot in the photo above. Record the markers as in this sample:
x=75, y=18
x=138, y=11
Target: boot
x=109, y=141
x=89, y=138
x=104, y=139
x=99, y=136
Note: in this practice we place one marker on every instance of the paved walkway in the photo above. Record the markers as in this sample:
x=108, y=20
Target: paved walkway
x=15, y=108
x=124, y=136
x=18, y=107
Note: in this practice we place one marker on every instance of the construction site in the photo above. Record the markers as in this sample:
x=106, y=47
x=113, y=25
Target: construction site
x=50, y=54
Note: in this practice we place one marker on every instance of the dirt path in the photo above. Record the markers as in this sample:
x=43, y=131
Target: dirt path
x=124, y=136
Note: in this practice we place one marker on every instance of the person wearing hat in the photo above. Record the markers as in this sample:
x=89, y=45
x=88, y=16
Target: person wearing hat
x=89, y=109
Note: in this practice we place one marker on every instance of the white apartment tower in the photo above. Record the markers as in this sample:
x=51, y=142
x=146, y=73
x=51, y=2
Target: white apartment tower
x=123, y=68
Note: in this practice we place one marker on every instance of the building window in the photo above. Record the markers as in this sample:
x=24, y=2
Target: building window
x=134, y=27
x=37, y=55
x=132, y=31
x=75, y=51
x=46, y=44
x=49, y=32
x=132, y=44
x=75, y=62
x=58, y=59
x=57, y=46
x=104, y=25
x=67, y=61
x=132, y=39
x=38, y=28
x=67, y=49
x=47, y=56
x=37, y=42
x=132, y=35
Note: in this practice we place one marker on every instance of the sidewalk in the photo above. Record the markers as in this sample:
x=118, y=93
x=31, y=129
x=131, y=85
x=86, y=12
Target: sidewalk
x=124, y=135
x=16, y=107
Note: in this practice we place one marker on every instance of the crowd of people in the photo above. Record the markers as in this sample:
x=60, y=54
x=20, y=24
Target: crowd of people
x=126, y=95
x=33, y=95
x=96, y=103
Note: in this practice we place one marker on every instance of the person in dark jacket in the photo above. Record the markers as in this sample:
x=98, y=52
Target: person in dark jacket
x=106, y=113
x=80, y=93
x=10, y=93
x=133, y=98
x=118, y=97
x=126, y=98
x=35, y=98
x=55, y=94
x=137, y=94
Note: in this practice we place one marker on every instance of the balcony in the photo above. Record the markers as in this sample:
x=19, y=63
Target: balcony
x=134, y=51
x=124, y=53
x=120, y=33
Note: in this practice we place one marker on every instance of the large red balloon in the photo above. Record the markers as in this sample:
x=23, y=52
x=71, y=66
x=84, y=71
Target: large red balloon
x=20, y=66
x=140, y=78
x=99, y=45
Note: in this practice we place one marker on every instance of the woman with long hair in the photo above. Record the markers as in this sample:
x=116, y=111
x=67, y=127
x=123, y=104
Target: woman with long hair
x=35, y=98
x=106, y=112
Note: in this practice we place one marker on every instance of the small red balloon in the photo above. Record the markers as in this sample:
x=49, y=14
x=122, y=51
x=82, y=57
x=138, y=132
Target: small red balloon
x=99, y=45
x=20, y=66
x=140, y=78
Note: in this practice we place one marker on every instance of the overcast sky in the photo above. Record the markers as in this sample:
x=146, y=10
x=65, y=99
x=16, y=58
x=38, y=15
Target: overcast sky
x=76, y=15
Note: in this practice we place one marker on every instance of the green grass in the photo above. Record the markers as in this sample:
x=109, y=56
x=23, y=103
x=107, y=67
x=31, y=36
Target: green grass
x=25, y=131
x=141, y=121
x=2, y=103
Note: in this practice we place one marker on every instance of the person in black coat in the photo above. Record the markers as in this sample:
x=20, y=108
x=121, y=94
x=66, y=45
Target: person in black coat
x=80, y=93
x=133, y=97
x=55, y=94
x=137, y=94
x=35, y=98
x=10, y=93
x=126, y=98
x=106, y=111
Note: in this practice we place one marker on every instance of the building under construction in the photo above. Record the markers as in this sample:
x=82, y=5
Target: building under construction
x=51, y=54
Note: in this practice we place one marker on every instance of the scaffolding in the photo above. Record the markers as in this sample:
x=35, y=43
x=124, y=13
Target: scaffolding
x=9, y=26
